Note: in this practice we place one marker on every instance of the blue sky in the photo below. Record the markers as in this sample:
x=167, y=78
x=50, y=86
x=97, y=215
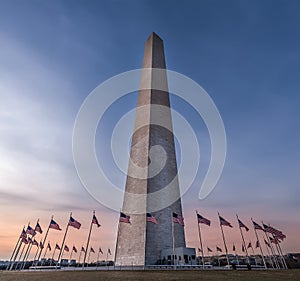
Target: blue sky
x=245, y=54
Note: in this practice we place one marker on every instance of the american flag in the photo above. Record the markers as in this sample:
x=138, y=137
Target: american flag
x=257, y=226
x=82, y=249
x=24, y=240
x=233, y=247
x=66, y=248
x=218, y=249
x=95, y=221
x=49, y=246
x=209, y=250
x=74, y=249
x=30, y=230
x=274, y=240
x=124, y=218
x=203, y=220
x=54, y=225
x=57, y=247
x=267, y=243
x=38, y=228
x=41, y=245
x=29, y=240
x=199, y=250
x=108, y=251
x=249, y=245
x=257, y=244
x=35, y=243
x=23, y=234
x=243, y=249
x=100, y=251
x=150, y=218
x=274, y=231
x=178, y=219
x=243, y=225
x=224, y=222
x=76, y=224
x=92, y=250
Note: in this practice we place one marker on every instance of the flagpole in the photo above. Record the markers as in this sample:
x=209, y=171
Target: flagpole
x=45, y=253
x=36, y=253
x=224, y=241
x=63, y=242
x=282, y=256
x=70, y=256
x=173, y=240
x=218, y=257
x=80, y=255
x=276, y=247
x=243, y=239
x=261, y=251
x=89, y=257
x=271, y=248
x=116, y=248
x=88, y=241
x=18, y=241
x=200, y=239
x=269, y=255
x=16, y=254
x=27, y=253
x=97, y=259
x=237, y=259
x=39, y=256
x=253, y=254
x=52, y=259
x=20, y=257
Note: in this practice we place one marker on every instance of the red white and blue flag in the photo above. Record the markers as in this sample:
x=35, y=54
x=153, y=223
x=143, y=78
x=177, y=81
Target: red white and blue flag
x=233, y=248
x=150, y=218
x=274, y=231
x=92, y=250
x=35, y=243
x=108, y=251
x=24, y=240
x=38, y=228
x=66, y=248
x=23, y=234
x=74, y=249
x=74, y=223
x=274, y=240
x=203, y=220
x=209, y=250
x=30, y=230
x=178, y=219
x=124, y=218
x=257, y=226
x=241, y=224
x=49, y=247
x=249, y=245
x=224, y=222
x=57, y=247
x=218, y=249
x=82, y=249
x=54, y=225
x=100, y=251
x=29, y=240
x=41, y=245
x=243, y=249
x=257, y=244
x=95, y=221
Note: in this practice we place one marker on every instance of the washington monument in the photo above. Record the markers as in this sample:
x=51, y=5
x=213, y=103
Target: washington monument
x=151, y=168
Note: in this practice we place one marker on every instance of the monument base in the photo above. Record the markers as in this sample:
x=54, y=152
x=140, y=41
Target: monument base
x=178, y=256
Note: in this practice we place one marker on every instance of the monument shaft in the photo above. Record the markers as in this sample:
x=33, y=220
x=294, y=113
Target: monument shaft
x=151, y=168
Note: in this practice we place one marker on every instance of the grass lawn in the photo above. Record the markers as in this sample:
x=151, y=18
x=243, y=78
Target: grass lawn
x=155, y=275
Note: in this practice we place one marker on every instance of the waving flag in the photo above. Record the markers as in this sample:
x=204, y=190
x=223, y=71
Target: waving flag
x=243, y=225
x=257, y=244
x=95, y=221
x=257, y=226
x=74, y=249
x=243, y=249
x=178, y=219
x=209, y=250
x=23, y=234
x=274, y=240
x=92, y=250
x=74, y=223
x=82, y=249
x=199, y=250
x=57, y=247
x=124, y=218
x=150, y=218
x=49, y=246
x=66, y=248
x=108, y=251
x=203, y=220
x=100, y=251
x=224, y=222
x=24, y=240
x=218, y=249
x=30, y=230
x=41, y=245
x=249, y=245
x=29, y=240
x=274, y=231
x=54, y=225
x=35, y=243
x=38, y=228
x=233, y=248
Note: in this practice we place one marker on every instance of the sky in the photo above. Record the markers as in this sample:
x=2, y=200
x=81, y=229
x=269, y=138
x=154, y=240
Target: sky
x=245, y=54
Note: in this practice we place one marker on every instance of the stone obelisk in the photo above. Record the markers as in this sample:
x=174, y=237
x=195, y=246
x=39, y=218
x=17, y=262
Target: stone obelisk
x=151, y=168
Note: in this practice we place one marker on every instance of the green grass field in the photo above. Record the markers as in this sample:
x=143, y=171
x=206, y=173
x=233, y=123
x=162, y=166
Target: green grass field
x=283, y=275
